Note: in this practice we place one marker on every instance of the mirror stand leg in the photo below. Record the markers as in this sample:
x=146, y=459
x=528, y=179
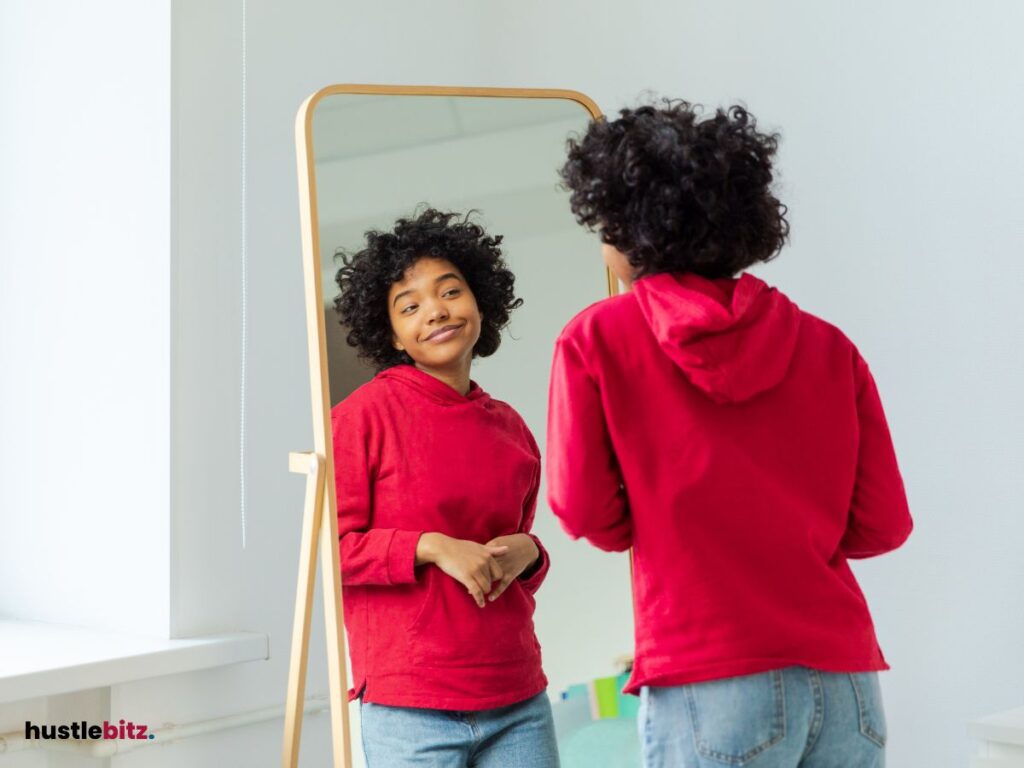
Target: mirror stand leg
x=310, y=465
x=330, y=567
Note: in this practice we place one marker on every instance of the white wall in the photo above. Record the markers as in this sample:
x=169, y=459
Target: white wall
x=85, y=313
x=899, y=162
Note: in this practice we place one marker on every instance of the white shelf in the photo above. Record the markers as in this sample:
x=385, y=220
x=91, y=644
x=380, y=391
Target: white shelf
x=1001, y=740
x=39, y=659
x=1004, y=727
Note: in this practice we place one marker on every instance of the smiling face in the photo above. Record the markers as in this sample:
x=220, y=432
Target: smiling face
x=434, y=316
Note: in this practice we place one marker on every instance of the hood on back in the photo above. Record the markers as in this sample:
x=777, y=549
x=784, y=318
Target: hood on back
x=732, y=338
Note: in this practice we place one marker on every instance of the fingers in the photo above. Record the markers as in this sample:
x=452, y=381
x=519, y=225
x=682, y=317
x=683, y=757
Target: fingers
x=496, y=593
x=483, y=581
x=474, y=591
x=476, y=585
x=496, y=572
x=475, y=566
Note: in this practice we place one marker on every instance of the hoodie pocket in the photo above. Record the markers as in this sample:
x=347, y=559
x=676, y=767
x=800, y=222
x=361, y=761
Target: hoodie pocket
x=451, y=630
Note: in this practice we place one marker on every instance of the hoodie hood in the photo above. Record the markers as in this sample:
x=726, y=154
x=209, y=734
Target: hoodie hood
x=433, y=388
x=732, y=338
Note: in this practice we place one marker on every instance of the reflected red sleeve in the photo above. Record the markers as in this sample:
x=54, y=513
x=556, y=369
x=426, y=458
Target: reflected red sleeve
x=534, y=576
x=381, y=556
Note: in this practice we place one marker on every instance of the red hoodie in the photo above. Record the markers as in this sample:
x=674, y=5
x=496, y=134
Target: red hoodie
x=413, y=455
x=738, y=445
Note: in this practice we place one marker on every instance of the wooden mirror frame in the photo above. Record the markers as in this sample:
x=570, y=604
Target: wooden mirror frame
x=318, y=464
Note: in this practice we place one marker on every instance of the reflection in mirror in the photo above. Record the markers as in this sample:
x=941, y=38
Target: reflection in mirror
x=381, y=157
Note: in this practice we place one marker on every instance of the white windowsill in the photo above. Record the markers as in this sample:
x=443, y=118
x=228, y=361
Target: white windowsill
x=38, y=659
x=1004, y=727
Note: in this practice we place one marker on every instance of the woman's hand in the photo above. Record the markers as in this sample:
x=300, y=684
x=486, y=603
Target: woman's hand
x=522, y=552
x=473, y=565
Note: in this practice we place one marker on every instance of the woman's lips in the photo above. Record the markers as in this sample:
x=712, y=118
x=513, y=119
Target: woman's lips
x=443, y=334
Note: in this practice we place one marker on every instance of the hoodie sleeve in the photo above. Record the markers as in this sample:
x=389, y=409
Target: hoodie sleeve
x=585, y=488
x=879, y=518
x=534, y=576
x=381, y=556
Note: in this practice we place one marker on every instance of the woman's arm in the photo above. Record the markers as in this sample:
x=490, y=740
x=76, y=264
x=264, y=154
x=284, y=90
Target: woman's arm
x=585, y=488
x=378, y=556
x=535, y=573
x=526, y=560
x=879, y=518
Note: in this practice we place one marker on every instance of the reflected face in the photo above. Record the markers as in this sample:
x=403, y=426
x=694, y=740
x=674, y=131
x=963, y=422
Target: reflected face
x=617, y=262
x=434, y=316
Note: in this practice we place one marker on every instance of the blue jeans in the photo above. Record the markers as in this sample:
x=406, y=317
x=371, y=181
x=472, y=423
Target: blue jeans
x=518, y=736
x=787, y=718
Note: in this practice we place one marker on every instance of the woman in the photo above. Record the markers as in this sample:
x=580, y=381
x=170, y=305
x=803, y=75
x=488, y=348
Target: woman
x=735, y=442
x=437, y=485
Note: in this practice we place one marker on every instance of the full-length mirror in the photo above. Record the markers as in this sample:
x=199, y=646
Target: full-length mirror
x=376, y=158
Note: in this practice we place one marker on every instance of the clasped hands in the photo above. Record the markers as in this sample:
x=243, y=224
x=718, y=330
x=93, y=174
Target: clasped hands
x=485, y=570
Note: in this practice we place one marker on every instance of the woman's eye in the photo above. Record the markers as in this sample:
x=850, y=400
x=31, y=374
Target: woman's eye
x=409, y=309
x=451, y=292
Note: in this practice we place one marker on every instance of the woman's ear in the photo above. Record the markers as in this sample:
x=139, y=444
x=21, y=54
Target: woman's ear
x=397, y=344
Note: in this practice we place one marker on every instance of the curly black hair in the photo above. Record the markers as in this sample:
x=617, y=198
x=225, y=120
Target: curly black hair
x=367, y=277
x=679, y=192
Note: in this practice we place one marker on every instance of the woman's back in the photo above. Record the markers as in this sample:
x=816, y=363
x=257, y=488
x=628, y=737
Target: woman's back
x=739, y=446
x=735, y=442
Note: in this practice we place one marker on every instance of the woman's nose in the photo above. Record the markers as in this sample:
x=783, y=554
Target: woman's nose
x=438, y=311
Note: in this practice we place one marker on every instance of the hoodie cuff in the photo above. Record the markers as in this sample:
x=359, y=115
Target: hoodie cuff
x=402, y=557
x=533, y=576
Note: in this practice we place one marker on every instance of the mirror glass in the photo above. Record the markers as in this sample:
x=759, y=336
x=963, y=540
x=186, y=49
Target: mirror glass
x=378, y=157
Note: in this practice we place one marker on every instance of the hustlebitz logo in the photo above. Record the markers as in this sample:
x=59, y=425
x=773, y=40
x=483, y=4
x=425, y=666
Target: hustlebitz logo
x=82, y=730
